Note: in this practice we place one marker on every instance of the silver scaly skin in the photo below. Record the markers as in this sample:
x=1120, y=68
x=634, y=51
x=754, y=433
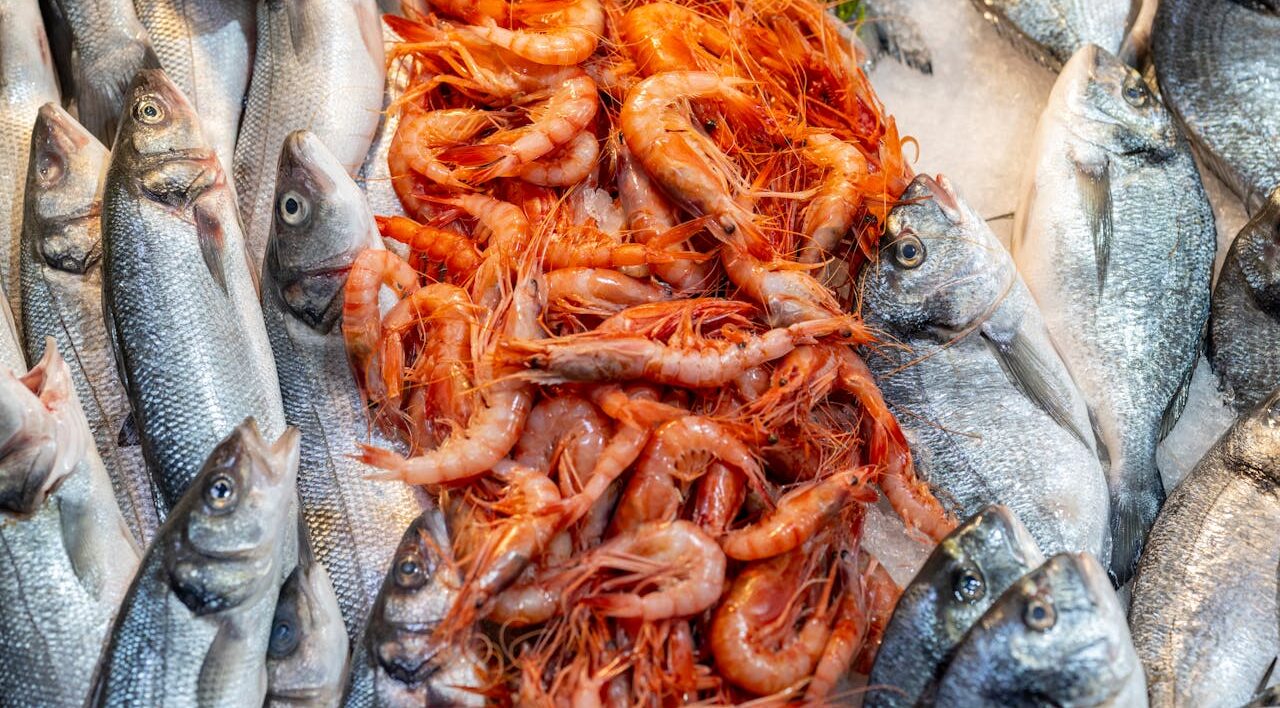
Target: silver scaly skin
x=963, y=576
x=375, y=175
x=27, y=81
x=1204, y=609
x=318, y=66
x=309, y=652
x=179, y=298
x=61, y=269
x=321, y=224
x=1218, y=64
x=68, y=556
x=10, y=348
x=194, y=628
x=988, y=407
x=1115, y=238
x=1057, y=637
x=1051, y=31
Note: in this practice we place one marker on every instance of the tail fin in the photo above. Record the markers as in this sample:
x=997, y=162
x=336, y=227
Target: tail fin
x=1128, y=534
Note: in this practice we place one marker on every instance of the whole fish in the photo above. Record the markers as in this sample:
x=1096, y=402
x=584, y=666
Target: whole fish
x=99, y=45
x=61, y=269
x=1115, y=238
x=989, y=410
x=179, y=298
x=196, y=623
x=321, y=224
x=1244, y=328
x=309, y=653
x=68, y=556
x=962, y=577
x=400, y=663
x=1051, y=31
x=1218, y=64
x=206, y=48
x=1057, y=637
x=318, y=66
x=27, y=82
x=1204, y=610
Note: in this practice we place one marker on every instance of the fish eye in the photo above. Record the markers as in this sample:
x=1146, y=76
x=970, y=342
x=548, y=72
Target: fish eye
x=220, y=493
x=1040, y=614
x=294, y=208
x=1135, y=93
x=284, y=638
x=410, y=571
x=908, y=252
x=149, y=111
x=969, y=585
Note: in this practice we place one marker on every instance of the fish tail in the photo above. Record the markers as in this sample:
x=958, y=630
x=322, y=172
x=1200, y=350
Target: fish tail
x=1130, y=522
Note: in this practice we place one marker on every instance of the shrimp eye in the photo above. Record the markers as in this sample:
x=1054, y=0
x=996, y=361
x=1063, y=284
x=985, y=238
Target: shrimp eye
x=908, y=252
x=294, y=208
x=773, y=438
x=1040, y=614
x=284, y=638
x=969, y=585
x=220, y=494
x=149, y=111
x=1135, y=92
x=411, y=572
x=711, y=126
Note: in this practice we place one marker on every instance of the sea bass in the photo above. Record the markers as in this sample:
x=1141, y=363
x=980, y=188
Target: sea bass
x=195, y=625
x=1051, y=31
x=178, y=294
x=61, y=269
x=963, y=576
x=318, y=66
x=375, y=174
x=321, y=223
x=309, y=652
x=1057, y=637
x=1244, y=328
x=989, y=410
x=1115, y=238
x=1204, y=611
x=1218, y=64
x=68, y=556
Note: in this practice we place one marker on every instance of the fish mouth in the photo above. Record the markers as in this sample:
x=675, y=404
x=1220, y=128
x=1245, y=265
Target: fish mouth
x=39, y=446
x=277, y=460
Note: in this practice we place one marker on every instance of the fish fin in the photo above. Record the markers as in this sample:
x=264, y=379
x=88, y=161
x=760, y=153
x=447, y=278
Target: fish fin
x=1128, y=533
x=1104, y=453
x=1022, y=365
x=113, y=336
x=1266, y=678
x=1095, y=192
x=213, y=239
x=129, y=435
x=1173, y=411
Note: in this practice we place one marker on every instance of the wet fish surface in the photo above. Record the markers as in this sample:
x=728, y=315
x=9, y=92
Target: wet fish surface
x=309, y=653
x=1115, y=238
x=374, y=176
x=68, y=557
x=988, y=408
x=195, y=625
x=10, y=348
x=1218, y=64
x=962, y=577
x=1204, y=611
x=1056, y=637
x=61, y=276
x=1051, y=31
x=1244, y=329
x=321, y=223
x=318, y=66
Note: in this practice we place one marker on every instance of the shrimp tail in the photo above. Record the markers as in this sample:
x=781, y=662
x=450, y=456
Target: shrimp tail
x=612, y=605
x=383, y=459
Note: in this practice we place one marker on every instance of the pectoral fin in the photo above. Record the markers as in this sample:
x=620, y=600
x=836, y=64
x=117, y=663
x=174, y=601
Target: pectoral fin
x=1095, y=199
x=129, y=435
x=212, y=244
x=1023, y=365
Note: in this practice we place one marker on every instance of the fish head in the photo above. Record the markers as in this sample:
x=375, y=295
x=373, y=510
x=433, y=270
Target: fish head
x=1106, y=102
x=308, y=651
x=1256, y=251
x=321, y=223
x=43, y=432
x=939, y=264
x=63, y=180
x=228, y=525
x=161, y=143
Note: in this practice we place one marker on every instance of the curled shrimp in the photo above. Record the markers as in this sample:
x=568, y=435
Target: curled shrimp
x=457, y=252
x=567, y=425
x=800, y=514
x=567, y=166
x=662, y=36
x=649, y=216
x=720, y=495
x=437, y=302
x=361, y=321
x=787, y=293
x=599, y=291
x=558, y=32
x=830, y=214
x=415, y=149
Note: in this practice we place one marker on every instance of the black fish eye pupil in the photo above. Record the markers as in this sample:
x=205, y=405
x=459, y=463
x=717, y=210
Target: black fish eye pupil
x=291, y=205
x=281, y=631
x=909, y=251
x=408, y=567
x=221, y=489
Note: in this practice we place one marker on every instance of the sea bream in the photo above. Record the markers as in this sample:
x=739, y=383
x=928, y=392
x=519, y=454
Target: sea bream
x=967, y=367
x=1051, y=31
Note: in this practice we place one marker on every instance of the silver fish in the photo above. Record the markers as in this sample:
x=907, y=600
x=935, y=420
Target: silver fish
x=62, y=291
x=1218, y=64
x=318, y=66
x=1244, y=328
x=988, y=407
x=1115, y=238
x=1204, y=610
x=400, y=663
x=963, y=576
x=1057, y=637
x=375, y=174
x=886, y=27
x=179, y=297
x=1051, y=31
x=10, y=348
x=68, y=556
x=99, y=45
x=195, y=625
x=27, y=82
x=309, y=653
x=321, y=224
x=206, y=48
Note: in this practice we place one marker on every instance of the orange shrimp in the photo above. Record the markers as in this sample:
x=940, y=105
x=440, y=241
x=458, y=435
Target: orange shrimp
x=787, y=293
x=455, y=251
x=881, y=595
x=847, y=636
x=361, y=321
x=799, y=515
x=662, y=36
x=567, y=424
x=560, y=32
x=830, y=214
x=474, y=11
x=437, y=301
x=599, y=291
x=416, y=146
x=566, y=166
x=649, y=215
x=720, y=495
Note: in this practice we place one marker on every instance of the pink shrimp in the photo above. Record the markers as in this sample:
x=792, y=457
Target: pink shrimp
x=415, y=150
x=650, y=215
x=662, y=36
x=457, y=252
x=591, y=249
x=567, y=166
x=830, y=214
x=800, y=513
x=881, y=595
x=361, y=322
x=787, y=293
x=559, y=32
x=599, y=291
x=719, y=497
x=435, y=302
x=847, y=636
x=567, y=424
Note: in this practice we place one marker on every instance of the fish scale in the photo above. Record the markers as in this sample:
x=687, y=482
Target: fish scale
x=1050, y=31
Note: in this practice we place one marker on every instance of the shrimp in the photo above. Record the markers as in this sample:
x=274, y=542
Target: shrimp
x=560, y=32
x=831, y=213
x=881, y=595
x=662, y=36
x=457, y=252
x=567, y=166
x=847, y=637
x=720, y=495
x=599, y=291
x=435, y=302
x=787, y=294
x=567, y=423
x=650, y=215
x=524, y=604
x=662, y=320
x=415, y=150
x=594, y=249
x=474, y=11
x=361, y=323
x=799, y=515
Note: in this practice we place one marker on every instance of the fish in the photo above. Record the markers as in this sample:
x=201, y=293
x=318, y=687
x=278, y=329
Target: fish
x=27, y=81
x=1056, y=637
x=318, y=66
x=886, y=27
x=179, y=296
x=11, y=354
x=99, y=45
x=1135, y=50
x=374, y=176
x=308, y=654
x=966, y=365
x=206, y=48
x=1244, y=325
x=1218, y=66
x=1204, y=609
x=321, y=224
x=61, y=277
x=1052, y=31
x=961, y=578
x=68, y=556
x=400, y=663
x=1115, y=237
x=196, y=622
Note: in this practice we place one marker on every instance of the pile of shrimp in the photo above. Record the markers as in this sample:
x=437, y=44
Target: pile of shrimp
x=624, y=354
